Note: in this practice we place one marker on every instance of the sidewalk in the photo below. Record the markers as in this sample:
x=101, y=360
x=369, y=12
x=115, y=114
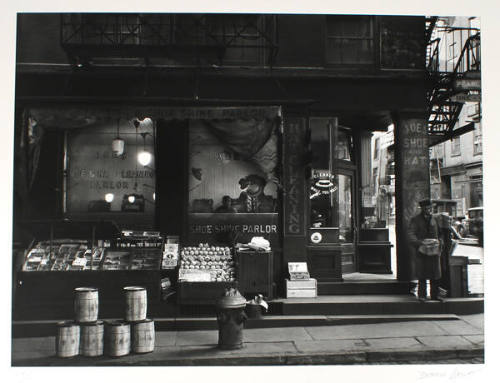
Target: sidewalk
x=461, y=339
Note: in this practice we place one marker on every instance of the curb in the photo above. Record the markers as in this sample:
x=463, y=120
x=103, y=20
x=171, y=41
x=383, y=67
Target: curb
x=326, y=358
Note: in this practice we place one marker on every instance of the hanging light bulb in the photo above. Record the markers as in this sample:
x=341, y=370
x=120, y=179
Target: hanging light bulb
x=118, y=145
x=109, y=197
x=144, y=158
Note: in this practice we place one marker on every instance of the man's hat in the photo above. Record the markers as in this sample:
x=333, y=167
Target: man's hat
x=425, y=202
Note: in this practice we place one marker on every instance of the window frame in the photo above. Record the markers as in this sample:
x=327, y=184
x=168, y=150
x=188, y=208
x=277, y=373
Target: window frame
x=455, y=147
x=477, y=141
x=373, y=38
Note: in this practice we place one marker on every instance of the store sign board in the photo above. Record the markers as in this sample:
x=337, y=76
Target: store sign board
x=227, y=227
x=466, y=97
x=467, y=84
x=294, y=180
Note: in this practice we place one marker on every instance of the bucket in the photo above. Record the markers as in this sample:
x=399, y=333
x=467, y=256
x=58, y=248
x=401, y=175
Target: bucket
x=143, y=336
x=136, y=303
x=92, y=339
x=117, y=338
x=67, y=339
x=86, y=304
x=253, y=311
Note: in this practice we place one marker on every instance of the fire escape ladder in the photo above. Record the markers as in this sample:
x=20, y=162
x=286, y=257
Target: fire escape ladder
x=203, y=36
x=443, y=112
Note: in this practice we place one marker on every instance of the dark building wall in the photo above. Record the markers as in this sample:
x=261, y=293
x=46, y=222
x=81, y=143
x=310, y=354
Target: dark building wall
x=301, y=42
x=38, y=39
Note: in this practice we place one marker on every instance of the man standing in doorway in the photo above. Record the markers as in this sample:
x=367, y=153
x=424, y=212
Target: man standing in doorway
x=423, y=235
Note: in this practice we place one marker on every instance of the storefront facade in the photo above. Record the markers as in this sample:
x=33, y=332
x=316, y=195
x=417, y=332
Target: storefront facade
x=280, y=152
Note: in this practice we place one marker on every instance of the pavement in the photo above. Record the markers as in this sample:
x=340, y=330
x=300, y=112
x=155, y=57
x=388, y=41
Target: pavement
x=459, y=340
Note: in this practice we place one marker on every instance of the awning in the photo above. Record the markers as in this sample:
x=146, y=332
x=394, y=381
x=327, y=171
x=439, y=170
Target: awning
x=68, y=117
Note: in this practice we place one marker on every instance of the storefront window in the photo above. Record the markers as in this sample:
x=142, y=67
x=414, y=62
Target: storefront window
x=101, y=179
x=345, y=208
x=224, y=179
x=344, y=145
x=331, y=189
x=232, y=181
x=323, y=189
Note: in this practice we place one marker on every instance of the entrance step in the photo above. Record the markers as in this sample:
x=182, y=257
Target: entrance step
x=356, y=287
x=376, y=305
x=22, y=329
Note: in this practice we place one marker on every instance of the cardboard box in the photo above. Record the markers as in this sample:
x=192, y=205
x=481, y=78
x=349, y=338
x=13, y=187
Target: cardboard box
x=309, y=293
x=306, y=288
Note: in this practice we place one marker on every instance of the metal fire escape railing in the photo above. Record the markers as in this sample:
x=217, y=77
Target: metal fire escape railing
x=85, y=36
x=443, y=110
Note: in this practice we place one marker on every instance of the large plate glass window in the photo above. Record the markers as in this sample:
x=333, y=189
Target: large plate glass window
x=102, y=184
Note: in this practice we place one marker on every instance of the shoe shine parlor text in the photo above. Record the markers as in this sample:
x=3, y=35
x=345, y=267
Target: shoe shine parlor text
x=226, y=228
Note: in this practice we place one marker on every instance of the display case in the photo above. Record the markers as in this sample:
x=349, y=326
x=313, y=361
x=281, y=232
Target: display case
x=68, y=254
x=204, y=274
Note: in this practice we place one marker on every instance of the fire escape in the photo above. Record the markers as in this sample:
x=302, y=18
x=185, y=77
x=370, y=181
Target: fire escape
x=450, y=89
x=207, y=39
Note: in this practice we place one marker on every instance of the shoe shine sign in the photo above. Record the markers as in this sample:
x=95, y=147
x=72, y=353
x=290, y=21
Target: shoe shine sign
x=233, y=227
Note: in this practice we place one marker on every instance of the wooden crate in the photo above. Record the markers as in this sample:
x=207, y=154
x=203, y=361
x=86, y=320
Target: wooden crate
x=301, y=289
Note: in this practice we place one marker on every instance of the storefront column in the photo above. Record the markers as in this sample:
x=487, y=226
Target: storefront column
x=412, y=179
x=294, y=190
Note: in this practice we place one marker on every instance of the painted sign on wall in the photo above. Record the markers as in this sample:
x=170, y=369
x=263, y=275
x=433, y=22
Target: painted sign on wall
x=229, y=228
x=412, y=181
x=294, y=177
x=415, y=162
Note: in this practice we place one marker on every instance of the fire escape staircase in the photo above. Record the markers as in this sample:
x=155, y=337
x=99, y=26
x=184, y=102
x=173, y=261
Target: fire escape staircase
x=443, y=106
x=147, y=36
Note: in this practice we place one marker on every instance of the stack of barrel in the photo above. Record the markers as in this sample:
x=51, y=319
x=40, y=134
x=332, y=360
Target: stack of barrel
x=84, y=335
x=90, y=337
x=141, y=329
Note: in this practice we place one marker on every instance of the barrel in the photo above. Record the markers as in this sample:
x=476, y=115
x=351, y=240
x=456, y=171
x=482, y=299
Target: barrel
x=86, y=304
x=67, y=339
x=117, y=338
x=143, y=336
x=136, y=303
x=92, y=339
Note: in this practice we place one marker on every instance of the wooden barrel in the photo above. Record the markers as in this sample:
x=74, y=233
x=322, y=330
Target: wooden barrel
x=136, y=303
x=117, y=338
x=67, y=339
x=143, y=336
x=92, y=339
x=86, y=304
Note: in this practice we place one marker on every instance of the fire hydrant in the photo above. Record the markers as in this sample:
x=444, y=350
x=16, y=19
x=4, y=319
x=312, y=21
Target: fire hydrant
x=231, y=318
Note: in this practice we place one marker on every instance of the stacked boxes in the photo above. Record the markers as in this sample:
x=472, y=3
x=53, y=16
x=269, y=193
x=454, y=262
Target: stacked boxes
x=300, y=284
x=305, y=288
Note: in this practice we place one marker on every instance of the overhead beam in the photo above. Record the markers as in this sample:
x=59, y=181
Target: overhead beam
x=438, y=139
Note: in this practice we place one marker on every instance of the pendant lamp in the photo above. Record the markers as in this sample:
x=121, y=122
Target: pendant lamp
x=144, y=157
x=118, y=145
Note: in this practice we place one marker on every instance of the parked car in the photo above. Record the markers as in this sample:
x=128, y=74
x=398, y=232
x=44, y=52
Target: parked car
x=475, y=223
